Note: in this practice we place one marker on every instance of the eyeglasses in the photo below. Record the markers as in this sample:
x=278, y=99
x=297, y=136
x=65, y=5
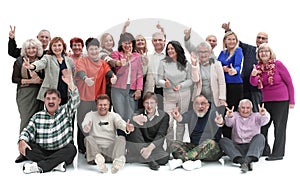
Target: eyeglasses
x=264, y=51
x=201, y=103
x=203, y=51
x=262, y=38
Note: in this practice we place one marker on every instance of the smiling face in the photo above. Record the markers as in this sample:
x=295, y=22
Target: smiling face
x=57, y=48
x=171, y=52
x=108, y=43
x=52, y=102
x=103, y=106
x=93, y=52
x=245, y=108
x=264, y=54
x=230, y=42
x=200, y=106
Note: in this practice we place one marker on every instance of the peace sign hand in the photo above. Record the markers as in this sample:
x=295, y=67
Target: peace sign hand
x=262, y=110
x=229, y=112
x=12, y=32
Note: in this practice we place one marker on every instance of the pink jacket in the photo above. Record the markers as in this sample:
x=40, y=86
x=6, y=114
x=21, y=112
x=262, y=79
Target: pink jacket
x=136, y=73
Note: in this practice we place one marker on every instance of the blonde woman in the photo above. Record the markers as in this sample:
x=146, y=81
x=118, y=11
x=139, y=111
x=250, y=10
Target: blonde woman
x=231, y=59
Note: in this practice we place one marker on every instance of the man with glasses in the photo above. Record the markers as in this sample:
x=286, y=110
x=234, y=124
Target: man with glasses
x=249, y=52
x=204, y=130
x=145, y=143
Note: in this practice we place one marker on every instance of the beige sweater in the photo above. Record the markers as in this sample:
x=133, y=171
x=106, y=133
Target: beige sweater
x=104, y=134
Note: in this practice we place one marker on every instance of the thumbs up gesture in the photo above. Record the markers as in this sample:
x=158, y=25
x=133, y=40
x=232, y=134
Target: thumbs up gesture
x=231, y=70
x=254, y=71
x=219, y=119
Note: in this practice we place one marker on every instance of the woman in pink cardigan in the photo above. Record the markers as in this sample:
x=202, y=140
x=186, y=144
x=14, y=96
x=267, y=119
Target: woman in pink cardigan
x=127, y=90
x=273, y=78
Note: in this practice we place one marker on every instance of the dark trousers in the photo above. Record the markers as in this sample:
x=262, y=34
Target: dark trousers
x=48, y=159
x=253, y=149
x=279, y=111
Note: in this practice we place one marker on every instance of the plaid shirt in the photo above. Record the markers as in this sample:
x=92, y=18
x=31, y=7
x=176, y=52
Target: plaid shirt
x=52, y=132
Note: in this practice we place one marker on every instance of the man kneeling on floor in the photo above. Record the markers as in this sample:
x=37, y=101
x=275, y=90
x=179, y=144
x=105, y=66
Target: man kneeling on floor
x=203, y=124
x=102, y=143
x=48, y=138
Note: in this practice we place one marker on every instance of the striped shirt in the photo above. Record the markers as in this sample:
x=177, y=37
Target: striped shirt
x=52, y=132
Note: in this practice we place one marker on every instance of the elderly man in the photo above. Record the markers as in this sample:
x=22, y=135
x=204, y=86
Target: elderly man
x=203, y=124
x=247, y=143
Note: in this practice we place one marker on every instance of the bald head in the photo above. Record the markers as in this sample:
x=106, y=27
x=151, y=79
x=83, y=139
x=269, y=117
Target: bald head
x=262, y=37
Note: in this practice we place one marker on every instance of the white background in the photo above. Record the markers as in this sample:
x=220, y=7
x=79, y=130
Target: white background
x=90, y=18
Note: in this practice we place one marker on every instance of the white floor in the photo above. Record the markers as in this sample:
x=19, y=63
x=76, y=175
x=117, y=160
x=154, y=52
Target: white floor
x=288, y=166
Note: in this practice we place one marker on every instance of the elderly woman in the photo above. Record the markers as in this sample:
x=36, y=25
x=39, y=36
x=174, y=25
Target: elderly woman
x=275, y=82
x=28, y=83
x=208, y=76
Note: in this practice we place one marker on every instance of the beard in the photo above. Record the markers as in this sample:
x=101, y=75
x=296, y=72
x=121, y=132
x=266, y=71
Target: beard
x=200, y=114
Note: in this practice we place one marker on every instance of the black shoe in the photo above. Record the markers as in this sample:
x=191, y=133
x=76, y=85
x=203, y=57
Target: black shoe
x=250, y=166
x=92, y=162
x=244, y=167
x=153, y=165
x=272, y=158
x=20, y=158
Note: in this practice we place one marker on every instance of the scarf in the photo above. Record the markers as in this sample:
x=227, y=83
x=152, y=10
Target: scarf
x=269, y=68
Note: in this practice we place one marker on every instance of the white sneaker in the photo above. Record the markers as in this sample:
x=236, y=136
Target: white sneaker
x=60, y=167
x=100, y=161
x=118, y=164
x=222, y=161
x=175, y=163
x=192, y=165
x=31, y=168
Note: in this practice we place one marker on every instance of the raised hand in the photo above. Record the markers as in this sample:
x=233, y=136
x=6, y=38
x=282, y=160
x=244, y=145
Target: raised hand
x=193, y=59
x=129, y=127
x=231, y=70
x=160, y=27
x=219, y=119
x=87, y=127
x=27, y=64
x=226, y=26
x=187, y=33
x=12, y=32
x=126, y=24
x=229, y=112
x=262, y=109
x=254, y=71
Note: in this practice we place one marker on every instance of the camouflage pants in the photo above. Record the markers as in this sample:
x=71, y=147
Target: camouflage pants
x=208, y=150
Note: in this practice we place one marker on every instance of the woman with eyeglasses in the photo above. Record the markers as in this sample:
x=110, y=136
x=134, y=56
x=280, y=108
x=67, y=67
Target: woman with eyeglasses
x=273, y=78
